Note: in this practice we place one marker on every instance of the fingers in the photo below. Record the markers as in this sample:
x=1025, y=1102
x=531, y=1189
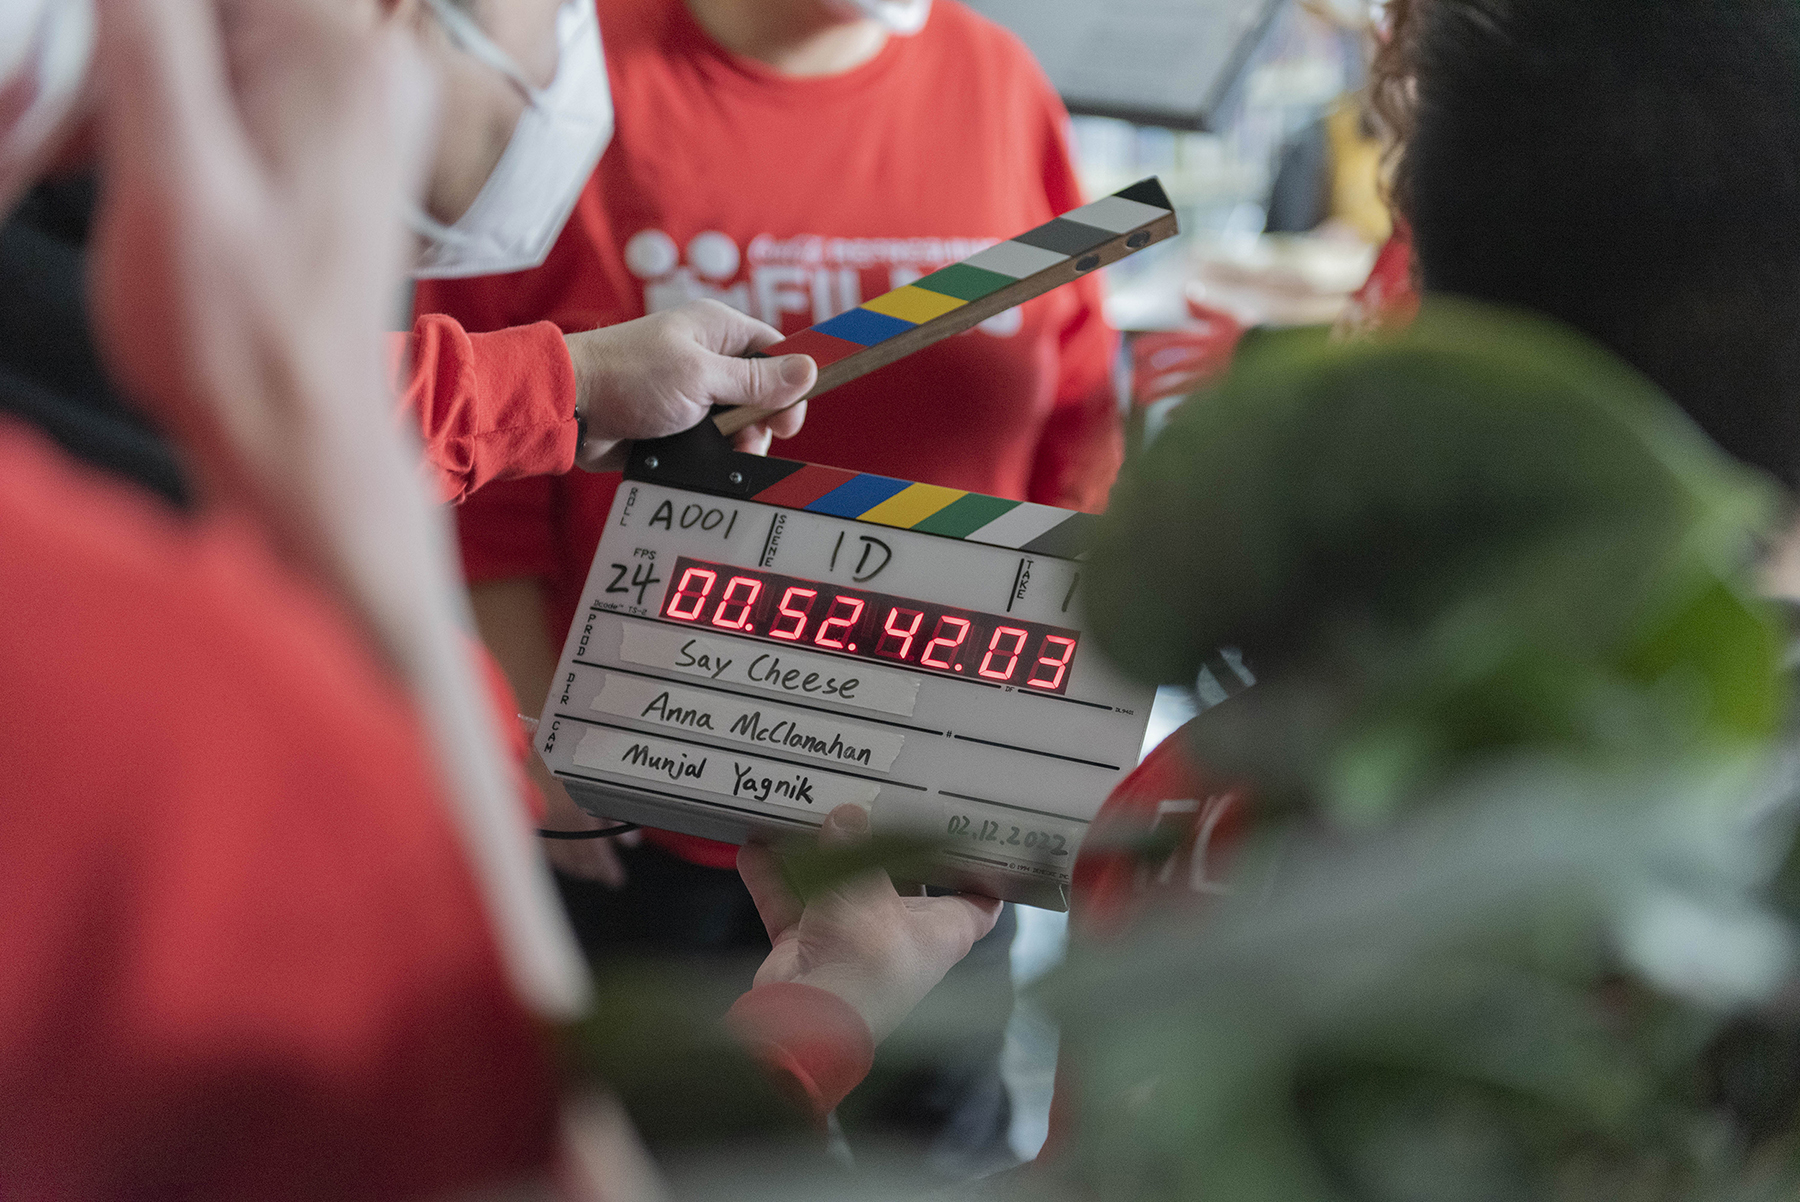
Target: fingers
x=870, y=892
x=776, y=904
x=764, y=383
x=588, y=860
x=760, y=868
x=846, y=826
x=752, y=440
x=724, y=330
x=787, y=423
x=947, y=927
x=756, y=439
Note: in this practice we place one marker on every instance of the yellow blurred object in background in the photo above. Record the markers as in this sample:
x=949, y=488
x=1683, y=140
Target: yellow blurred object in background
x=1357, y=195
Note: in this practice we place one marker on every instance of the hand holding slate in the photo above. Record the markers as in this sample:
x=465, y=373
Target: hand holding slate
x=661, y=374
x=878, y=951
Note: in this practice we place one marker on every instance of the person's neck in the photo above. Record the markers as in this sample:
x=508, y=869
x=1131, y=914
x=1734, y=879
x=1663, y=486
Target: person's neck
x=795, y=37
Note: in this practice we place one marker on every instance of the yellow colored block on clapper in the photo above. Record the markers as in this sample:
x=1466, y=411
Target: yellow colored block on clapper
x=916, y=305
x=909, y=507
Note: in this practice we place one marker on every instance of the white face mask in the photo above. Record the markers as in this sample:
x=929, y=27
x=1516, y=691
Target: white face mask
x=904, y=17
x=45, y=46
x=525, y=203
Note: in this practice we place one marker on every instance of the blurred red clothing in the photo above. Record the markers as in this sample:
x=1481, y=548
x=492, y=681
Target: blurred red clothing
x=1166, y=794
x=794, y=199
x=1114, y=883
x=244, y=954
x=1389, y=298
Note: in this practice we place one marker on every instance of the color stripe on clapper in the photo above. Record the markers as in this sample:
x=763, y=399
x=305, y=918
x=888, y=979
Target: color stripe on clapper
x=940, y=294
x=932, y=509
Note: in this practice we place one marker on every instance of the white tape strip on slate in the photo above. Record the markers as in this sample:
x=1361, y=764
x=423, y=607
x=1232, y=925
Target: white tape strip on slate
x=727, y=716
x=797, y=674
x=1015, y=259
x=1117, y=214
x=1019, y=526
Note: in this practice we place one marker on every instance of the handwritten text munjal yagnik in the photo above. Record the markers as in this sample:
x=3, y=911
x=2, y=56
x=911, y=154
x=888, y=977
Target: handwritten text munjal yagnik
x=723, y=773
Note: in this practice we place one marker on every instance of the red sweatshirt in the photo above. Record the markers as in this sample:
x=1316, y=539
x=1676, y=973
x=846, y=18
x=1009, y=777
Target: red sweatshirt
x=244, y=956
x=243, y=953
x=793, y=199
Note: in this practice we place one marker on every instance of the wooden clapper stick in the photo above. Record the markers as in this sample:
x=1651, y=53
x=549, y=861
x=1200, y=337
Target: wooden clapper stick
x=946, y=302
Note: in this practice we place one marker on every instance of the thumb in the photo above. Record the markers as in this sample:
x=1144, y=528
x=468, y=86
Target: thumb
x=775, y=902
x=845, y=826
x=764, y=383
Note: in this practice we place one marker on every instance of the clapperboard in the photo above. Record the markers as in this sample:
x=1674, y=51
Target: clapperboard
x=761, y=640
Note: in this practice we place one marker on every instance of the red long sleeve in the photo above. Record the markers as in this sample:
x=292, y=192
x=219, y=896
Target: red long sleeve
x=496, y=406
x=806, y=1036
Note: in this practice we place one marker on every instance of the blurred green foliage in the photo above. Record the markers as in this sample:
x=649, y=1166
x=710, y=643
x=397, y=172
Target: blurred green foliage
x=1480, y=535
x=1518, y=993
x=1503, y=927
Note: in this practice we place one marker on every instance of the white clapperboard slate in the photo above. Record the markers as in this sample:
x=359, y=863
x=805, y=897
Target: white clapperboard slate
x=761, y=640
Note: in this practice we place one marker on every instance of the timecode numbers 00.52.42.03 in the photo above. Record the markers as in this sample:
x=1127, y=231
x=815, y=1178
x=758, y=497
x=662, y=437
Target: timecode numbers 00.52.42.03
x=1007, y=835
x=985, y=648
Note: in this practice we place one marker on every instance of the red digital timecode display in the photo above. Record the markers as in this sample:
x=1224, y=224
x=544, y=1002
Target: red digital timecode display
x=935, y=638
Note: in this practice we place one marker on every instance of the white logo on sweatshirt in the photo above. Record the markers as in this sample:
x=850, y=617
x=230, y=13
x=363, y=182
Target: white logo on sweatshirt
x=795, y=282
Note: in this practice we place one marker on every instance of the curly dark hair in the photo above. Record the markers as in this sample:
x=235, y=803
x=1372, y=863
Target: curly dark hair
x=1631, y=167
x=1390, y=89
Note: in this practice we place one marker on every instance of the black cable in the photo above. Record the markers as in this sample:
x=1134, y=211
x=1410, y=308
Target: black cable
x=611, y=832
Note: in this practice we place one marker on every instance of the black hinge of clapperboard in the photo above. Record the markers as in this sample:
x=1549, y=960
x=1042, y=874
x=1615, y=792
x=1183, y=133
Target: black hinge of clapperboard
x=702, y=460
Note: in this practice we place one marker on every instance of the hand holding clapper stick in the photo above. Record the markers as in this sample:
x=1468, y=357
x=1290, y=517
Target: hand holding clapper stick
x=958, y=297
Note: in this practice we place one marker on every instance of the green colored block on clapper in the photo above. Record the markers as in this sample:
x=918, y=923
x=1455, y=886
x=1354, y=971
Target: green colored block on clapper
x=959, y=519
x=964, y=282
